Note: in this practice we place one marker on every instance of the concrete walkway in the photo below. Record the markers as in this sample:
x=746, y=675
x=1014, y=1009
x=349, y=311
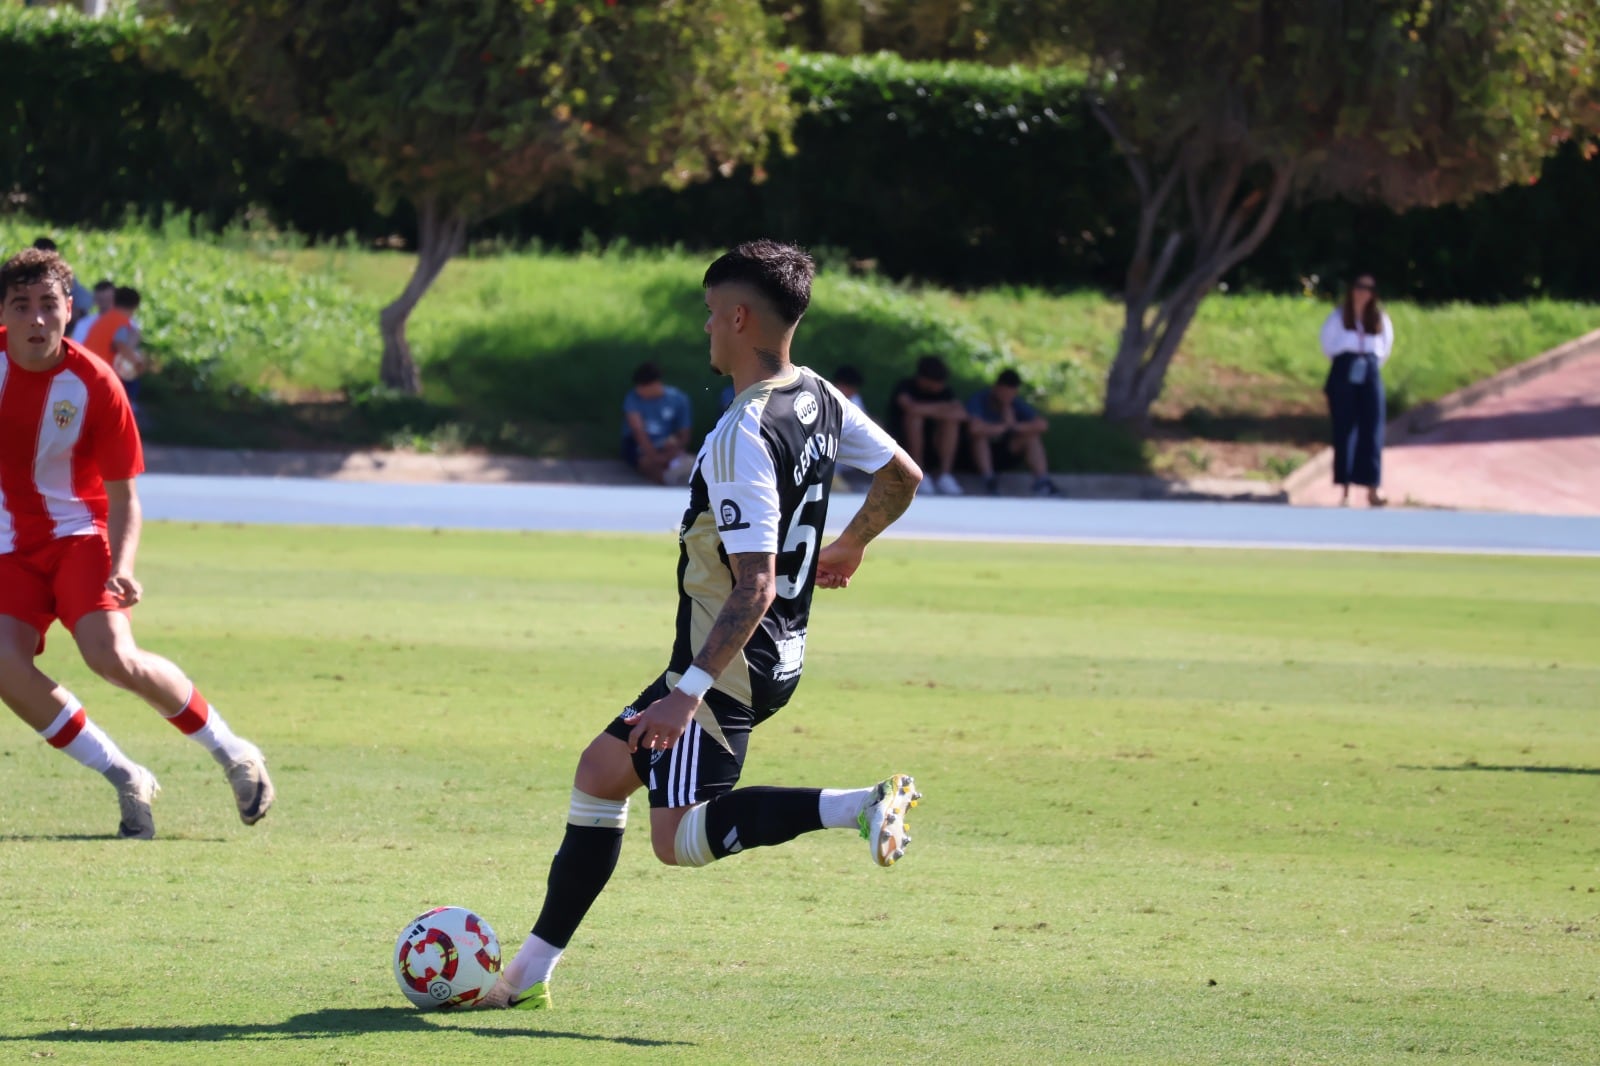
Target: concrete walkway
x=1527, y=440
x=413, y=467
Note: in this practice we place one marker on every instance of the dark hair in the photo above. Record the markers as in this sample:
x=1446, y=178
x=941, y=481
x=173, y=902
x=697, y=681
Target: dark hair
x=781, y=273
x=932, y=368
x=1372, y=318
x=847, y=375
x=44, y=244
x=103, y=284
x=1009, y=378
x=646, y=374
x=31, y=266
x=125, y=298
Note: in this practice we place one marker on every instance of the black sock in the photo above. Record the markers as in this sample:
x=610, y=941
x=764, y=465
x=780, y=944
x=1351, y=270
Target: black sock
x=759, y=817
x=579, y=871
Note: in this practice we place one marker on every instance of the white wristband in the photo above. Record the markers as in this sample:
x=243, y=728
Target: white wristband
x=695, y=682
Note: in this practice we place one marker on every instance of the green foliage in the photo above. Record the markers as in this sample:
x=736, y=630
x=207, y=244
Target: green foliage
x=531, y=353
x=93, y=133
x=83, y=95
x=482, y=106
x=988, y=30
x=1208, y=807
x=959, y=172
x=1408, y=103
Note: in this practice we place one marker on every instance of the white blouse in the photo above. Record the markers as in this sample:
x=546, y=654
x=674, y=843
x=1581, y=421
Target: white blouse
x=1337, y=340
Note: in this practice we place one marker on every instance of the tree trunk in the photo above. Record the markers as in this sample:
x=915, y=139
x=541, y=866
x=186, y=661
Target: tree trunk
x=1222, y=228
x=441, y=234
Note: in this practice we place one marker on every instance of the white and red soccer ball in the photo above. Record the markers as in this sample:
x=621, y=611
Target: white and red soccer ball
x=448, y=957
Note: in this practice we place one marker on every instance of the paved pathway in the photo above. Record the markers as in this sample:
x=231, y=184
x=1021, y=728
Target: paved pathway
x=643, y=509
x=1533, y=448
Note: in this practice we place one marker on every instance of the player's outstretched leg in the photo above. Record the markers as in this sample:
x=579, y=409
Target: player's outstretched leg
x=105, y=640
x=760, y=816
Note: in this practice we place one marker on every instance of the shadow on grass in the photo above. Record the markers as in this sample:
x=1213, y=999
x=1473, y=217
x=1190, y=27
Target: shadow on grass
x=317, y=1025
x=1591, y=771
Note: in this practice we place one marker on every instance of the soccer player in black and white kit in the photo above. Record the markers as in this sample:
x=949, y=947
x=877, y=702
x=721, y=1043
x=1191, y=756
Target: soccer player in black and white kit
x=750, y=554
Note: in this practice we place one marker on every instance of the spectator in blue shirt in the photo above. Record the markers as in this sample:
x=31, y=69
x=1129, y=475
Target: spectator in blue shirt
x=655, y=427
x=1005, y=429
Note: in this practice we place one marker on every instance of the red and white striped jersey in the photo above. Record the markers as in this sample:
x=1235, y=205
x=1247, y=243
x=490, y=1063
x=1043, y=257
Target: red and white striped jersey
x=63, y=434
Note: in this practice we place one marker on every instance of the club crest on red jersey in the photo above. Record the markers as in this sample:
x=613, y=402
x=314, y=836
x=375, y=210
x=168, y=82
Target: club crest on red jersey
x=64, y=412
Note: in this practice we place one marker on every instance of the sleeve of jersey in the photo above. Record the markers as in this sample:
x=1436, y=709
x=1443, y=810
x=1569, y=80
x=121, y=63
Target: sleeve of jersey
x=742, y=488
x=118, y=453
x=863, y=443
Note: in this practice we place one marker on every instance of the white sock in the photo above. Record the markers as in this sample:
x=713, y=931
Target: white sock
x=839, y=807
x=534, y=963
x=200, y=721
x=75, y=735
x=219, y=740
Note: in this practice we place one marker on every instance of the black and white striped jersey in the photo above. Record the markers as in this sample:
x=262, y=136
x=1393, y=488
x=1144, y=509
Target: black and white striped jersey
x=761, y=483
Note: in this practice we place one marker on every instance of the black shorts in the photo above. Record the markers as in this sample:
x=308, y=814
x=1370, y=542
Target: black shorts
x=699, y=766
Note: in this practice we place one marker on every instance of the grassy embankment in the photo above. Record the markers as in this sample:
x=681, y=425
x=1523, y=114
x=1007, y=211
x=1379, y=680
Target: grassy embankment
x=530, y=353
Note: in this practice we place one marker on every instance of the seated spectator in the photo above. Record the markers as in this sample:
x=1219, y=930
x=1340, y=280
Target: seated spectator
x=115, y=337
x=655, y=427
x=847, y=379
x=924, y=410
x=1006, y=429
x=104, y=293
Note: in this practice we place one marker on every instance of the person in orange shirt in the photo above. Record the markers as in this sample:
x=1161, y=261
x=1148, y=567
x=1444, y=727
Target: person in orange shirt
x=114, y=337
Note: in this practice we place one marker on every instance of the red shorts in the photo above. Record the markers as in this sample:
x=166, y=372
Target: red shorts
x=63, y=579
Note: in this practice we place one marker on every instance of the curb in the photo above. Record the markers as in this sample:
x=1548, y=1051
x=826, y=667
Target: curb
x=1425, y=416
x=510, y=469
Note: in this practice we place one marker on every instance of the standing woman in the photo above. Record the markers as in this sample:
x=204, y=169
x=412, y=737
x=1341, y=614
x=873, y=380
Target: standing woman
x=1357, y=339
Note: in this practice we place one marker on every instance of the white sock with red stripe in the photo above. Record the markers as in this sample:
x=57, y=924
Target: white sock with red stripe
x=199, y=721
x=73, y=734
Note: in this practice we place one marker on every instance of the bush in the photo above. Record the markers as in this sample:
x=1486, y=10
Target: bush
x=94, y=132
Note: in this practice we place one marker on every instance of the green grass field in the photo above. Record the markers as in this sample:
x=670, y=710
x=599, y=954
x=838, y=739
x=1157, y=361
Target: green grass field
x=531, y=353
x=1182, y=807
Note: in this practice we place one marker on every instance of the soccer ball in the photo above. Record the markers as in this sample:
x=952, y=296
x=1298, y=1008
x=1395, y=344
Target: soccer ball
x=448, y=957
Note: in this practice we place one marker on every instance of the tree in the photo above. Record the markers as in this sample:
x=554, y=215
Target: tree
x=991, y=30
x=1224, y=110
x=465, y=108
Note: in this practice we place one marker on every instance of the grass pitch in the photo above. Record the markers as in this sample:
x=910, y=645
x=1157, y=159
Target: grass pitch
x=1182, y=807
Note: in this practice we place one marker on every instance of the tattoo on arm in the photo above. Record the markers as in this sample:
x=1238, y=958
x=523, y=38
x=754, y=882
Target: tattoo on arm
x=893, y=488
x=771, y=361
x=754, y=589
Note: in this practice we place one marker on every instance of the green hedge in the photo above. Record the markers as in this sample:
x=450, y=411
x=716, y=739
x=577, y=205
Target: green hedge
x=966, y=174
x=94, y=133
x=955, y=173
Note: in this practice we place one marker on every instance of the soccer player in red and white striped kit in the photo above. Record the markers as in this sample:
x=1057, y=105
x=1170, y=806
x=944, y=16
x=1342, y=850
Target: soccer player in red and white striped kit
x=69, y=532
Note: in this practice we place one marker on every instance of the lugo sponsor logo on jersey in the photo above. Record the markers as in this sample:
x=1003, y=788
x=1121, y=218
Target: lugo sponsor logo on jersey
x=817, y=446
x=791, y=656
x=805, y=408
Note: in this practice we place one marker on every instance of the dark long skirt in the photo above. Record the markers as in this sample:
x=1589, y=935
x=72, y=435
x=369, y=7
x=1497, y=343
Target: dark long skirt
x=1356, y=410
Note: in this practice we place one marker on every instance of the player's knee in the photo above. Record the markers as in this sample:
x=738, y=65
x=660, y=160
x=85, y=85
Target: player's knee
x=117, y=665
x=665, y=847
x=605, y=769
